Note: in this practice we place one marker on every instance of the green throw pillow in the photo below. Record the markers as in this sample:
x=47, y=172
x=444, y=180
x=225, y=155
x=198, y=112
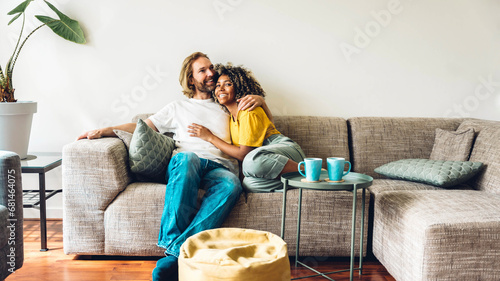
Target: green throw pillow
x=435, y=172
x=150, y=151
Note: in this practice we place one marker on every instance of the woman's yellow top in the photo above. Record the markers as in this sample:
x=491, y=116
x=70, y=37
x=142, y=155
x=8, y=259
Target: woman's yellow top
x=251, y=128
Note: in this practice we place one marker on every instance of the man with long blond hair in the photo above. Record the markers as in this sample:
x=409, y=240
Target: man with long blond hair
x=195, y=163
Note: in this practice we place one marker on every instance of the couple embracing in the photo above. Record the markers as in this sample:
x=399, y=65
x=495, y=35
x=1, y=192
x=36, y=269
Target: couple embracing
x=224, y=118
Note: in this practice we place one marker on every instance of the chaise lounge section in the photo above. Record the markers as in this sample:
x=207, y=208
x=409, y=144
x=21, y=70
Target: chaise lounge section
x=422, y=232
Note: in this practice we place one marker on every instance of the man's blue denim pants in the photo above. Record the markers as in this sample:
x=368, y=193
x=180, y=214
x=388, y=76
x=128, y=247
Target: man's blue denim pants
x=181, y=217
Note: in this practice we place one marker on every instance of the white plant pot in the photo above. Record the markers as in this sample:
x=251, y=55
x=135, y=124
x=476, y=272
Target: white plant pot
x=15, y=126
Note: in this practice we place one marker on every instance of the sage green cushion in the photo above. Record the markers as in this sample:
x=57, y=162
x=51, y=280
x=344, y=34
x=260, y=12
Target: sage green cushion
x=435, y=172
x=150, y=151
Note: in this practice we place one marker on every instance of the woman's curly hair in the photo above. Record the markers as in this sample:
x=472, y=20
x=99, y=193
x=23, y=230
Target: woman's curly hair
x=244, y=82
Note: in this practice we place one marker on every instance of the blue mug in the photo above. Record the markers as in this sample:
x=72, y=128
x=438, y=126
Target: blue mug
x=336, y=168
x=312, y=166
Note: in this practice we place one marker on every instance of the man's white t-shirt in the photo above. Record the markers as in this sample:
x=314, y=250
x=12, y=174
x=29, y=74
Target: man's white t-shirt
x=178, y=115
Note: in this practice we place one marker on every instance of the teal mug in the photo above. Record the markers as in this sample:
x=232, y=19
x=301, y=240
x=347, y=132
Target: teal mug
x=336, y=168
x=312, y=166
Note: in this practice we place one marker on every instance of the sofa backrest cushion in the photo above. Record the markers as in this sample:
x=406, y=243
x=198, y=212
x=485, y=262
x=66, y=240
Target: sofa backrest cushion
x=477, y=124
x=320, y=137
x=486, y=149
x=317, y=136
x=375, y=141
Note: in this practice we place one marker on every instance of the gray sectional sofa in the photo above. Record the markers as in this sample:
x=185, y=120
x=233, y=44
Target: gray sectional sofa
x=417, y=231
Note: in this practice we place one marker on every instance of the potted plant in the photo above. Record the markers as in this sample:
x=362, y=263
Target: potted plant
x=16, y=117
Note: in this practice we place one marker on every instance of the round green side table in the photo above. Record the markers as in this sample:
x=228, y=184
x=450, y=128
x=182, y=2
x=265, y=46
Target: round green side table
x=351, y=182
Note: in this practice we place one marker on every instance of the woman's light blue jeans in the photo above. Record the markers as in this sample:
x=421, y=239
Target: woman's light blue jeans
x=181, y=217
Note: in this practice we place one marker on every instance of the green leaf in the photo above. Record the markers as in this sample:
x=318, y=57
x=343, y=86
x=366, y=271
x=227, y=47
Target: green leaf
x=59, y=14
x=18, y=11
x=14, y=18
x=20, y=8
x=65, y=27
x=8, y=69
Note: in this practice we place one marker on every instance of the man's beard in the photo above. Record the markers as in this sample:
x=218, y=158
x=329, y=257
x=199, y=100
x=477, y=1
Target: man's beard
x=200, y=86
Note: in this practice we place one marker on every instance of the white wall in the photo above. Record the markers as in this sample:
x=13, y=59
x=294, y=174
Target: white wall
x=417, y=58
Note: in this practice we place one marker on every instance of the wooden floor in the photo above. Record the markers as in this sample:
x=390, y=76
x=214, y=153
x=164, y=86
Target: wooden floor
x=54, y=265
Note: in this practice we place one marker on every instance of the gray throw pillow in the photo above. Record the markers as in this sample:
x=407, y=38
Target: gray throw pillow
x=435, y=172
x=453, y=146
x=126, y=137
x=150, y=151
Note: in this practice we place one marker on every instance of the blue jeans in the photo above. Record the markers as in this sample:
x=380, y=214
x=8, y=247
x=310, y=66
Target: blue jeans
x=181, y=217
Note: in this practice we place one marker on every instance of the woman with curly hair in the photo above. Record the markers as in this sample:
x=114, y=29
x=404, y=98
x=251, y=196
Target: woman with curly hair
x=264, y=153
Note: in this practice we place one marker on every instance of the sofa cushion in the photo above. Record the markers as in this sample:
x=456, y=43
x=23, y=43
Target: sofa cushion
x=436, y=172
x=126, y=137
x=150, y=151
x=379, y=140
x=477, y=124
x=330, y=134
x=438, y=235
x=320, y=137
x=487, y=150
x=383, y=185
x=452, y=145
x=132, y=221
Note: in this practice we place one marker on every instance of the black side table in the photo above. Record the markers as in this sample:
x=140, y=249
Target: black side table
x=40, y=163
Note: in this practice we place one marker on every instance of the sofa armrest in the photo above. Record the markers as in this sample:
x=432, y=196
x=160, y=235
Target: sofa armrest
x=94, y=173
x=11, y=224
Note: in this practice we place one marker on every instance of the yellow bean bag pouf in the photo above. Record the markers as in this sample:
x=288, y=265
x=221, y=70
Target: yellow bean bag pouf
x=234, y=254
